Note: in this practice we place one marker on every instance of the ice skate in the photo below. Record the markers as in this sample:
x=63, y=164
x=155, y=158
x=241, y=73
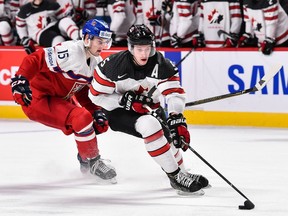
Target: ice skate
x=103, y=171
x=203, y=180
x=97, y=168
x=185, y=184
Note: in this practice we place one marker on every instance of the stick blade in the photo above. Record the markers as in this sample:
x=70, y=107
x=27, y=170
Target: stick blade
x=268, y=76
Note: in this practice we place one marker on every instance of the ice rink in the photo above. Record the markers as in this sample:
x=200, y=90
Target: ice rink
x=40, y=174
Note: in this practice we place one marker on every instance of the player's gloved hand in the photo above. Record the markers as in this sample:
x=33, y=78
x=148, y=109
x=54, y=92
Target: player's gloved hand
x=198, y=40
x=28, y=45
x=175, y=41
x=100, y=122
x=178, y=128
x=243, y=40
x=21, y=91
x=232, y=40
x=167, y=6
x=80, y=16
x=132, y=101
x=267, y=46
x=155, y=20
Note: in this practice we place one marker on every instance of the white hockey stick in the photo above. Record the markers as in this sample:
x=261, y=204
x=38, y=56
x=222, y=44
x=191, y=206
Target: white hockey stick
x=264, y=80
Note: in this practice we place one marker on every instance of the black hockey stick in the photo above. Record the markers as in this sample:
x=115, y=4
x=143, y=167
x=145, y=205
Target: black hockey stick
x=264, y=80
x=247, y=204
x=185, y=57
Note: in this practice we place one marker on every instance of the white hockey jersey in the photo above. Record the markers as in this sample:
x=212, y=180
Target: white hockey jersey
x=123, y=15
x=185, y=19
x=147, y=8
x=266, y=19
x=224, y=15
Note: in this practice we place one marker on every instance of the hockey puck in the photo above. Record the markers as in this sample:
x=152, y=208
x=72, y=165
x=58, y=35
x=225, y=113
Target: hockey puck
x=248, y=205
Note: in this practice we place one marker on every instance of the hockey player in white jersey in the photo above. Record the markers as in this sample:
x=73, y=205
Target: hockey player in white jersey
x=79, y=10
x=219, y=24
x=268, y=22
x=150, y=13
x=52, y=87
x=45, y=23
x=121, y=85
x=123, y=15
x=184, y=22
x=6, y=27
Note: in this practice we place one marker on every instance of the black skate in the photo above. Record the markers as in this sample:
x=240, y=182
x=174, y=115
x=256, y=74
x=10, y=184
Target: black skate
x=98, y=168
x=185, y=184
x=203, y=180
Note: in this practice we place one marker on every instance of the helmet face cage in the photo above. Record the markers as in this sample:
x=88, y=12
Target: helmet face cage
x=98, y=28
x=141, y=35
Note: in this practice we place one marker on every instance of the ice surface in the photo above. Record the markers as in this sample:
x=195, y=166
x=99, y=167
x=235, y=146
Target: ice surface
x=40, y=174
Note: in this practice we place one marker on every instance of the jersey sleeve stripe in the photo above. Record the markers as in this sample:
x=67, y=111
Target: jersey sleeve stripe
x=102, y=81
x=173, y=90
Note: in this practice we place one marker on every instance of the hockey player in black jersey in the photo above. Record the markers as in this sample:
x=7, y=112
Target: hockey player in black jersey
x=122, y=86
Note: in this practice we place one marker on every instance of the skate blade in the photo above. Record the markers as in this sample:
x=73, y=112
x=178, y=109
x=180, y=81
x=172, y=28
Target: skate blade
x=195, y=194
x=101, y=181
x=207, y=187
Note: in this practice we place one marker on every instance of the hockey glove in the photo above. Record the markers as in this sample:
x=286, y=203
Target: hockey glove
x=178, y=128
x=198, y=40
x=100, y=122
x=167, y=6
x=242, y=42
x=21, y=91
x=267, y=46
x=133, y=102
x=175, y=41
x=231, y=40
x=28, y=45
x=155, y=20
x=80, y=16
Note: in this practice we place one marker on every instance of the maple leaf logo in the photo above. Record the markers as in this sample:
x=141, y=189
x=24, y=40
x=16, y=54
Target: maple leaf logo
x=215, y=17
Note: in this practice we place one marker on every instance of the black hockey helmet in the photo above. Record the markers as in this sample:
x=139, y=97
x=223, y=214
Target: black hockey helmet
x=140, y=35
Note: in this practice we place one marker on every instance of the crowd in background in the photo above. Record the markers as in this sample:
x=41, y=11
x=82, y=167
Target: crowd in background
x=175, y=23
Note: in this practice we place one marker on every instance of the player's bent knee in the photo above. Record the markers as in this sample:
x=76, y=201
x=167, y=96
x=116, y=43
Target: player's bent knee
x=81, y=119
x=147, y=125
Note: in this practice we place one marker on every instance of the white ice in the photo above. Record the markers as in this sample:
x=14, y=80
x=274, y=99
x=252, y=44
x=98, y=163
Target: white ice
x=40, y=174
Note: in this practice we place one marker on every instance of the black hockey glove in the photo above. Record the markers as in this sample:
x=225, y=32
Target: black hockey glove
x=21, y=91
x=134, y=102
x=100, y=122
x=155, y=20
x=231, y=40
x=198, y=40
x=178, y=128
x=80, y=16
x=28, y=45
x=267, y=46
x=167, y=6
x=243, y=41
x=175, y=41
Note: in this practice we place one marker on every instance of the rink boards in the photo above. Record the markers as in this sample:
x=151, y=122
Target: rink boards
x=204, y=73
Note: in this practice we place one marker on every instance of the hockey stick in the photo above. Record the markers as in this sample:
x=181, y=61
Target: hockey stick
x=264, y=80
x=185, y=57
x=247, y=204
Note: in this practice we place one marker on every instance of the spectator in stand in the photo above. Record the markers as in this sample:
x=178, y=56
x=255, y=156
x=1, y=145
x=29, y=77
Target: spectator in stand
x=6, y=28
x=184, y=22
x=122, y=13
x=219, y=24
x=156, y=19
x=45, y=23
x=268, y=22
